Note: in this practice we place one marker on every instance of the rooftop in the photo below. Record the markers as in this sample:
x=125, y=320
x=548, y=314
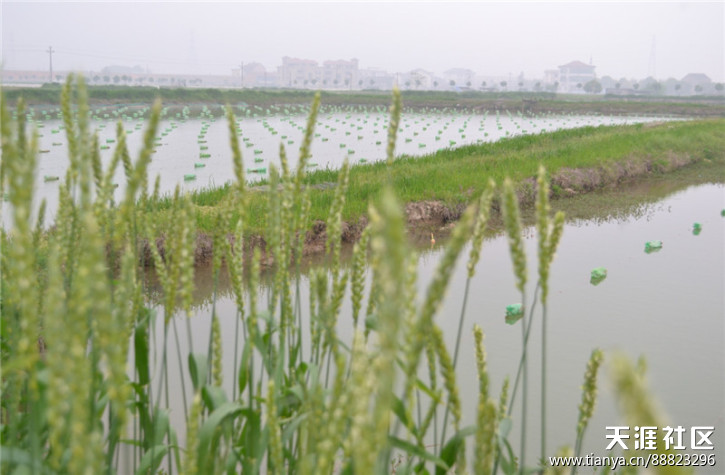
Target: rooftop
x=577, y=64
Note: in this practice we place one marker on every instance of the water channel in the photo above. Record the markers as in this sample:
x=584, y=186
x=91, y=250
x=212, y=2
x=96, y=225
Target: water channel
x=667, y=306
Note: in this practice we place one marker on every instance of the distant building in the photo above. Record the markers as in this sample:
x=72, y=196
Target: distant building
x=375, y=79
x=252, y=75
x=551, y=77
x=461, y=77
x=573, y=76
x=418, y=79
x=128, y=70
x=298, y=73
x=695, y=83
x=340, y=73
x=696, y=78
x=28, y=77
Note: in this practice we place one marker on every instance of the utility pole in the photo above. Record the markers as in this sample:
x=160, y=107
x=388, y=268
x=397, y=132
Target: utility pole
x=50, y=55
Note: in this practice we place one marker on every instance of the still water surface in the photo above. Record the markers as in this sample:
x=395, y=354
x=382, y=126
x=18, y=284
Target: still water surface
x=667, y=306
x=200, y=146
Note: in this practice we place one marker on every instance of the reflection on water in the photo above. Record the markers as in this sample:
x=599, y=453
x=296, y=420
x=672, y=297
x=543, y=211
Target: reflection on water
x=668, y=307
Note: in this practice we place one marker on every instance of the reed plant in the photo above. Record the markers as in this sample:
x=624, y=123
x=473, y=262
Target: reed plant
x=85, y=377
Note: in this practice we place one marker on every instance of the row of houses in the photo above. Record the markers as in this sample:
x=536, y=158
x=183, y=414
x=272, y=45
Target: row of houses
x=573, y=77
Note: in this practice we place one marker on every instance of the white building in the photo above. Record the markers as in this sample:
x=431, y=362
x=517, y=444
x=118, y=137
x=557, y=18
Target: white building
x=573, y=76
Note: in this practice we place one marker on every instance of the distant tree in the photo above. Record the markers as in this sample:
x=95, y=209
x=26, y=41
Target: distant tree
x=698, y=88
x=483, y=83
x=407, y=84
x=96, y=78
x=593, y=87
x=116, y=79
x=678, y=86
x=418, y=83
x=106, y=78
x=579, y=85
x=719, y=87
x=58, y=77
x=537, y=86
x=635, y=86
x=503, y=84
x=151, y=79
x=521, y=84
x=372, y=81
x=347, y=82
x=360, y=83
x=435, y=84
x=468, y=83
x=124, y=78
x=617, y=86
x=452, y=82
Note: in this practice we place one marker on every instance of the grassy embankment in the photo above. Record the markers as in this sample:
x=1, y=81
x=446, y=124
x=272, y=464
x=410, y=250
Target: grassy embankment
x=577, y=160
x=534, y=102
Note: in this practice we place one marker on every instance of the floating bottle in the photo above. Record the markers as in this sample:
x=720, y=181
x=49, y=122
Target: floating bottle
x=598, y=275
x=514, y=312
x=652, y=246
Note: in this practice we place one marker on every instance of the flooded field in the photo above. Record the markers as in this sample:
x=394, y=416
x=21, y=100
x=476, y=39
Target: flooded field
x=666, y=306
x=193, y=151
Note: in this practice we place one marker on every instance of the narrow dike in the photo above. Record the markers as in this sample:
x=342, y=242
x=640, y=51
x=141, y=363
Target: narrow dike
x=438, y=217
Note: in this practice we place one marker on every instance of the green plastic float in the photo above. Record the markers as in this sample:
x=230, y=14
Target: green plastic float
x=598, y=275
x=514, y=312
x=652, y=246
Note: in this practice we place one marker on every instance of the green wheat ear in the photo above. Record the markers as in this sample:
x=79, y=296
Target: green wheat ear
x=512, y=223
x=395, y=111
x=637, y=404
x=589, y=395
x=479, y=228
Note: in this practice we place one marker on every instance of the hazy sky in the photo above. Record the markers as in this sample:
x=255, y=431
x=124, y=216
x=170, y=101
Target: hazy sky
x=622, y=39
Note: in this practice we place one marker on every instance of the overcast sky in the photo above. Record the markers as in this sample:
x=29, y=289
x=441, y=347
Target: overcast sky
x=622, y=39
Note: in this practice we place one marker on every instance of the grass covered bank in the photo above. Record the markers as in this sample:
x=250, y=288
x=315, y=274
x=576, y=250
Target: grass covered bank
x=438, y=186
x=530, y=102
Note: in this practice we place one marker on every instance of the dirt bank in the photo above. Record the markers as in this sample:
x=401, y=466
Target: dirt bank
x=425, y=217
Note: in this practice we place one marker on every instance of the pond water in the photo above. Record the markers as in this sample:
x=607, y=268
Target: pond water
x=194, y=152
x=667, y=306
